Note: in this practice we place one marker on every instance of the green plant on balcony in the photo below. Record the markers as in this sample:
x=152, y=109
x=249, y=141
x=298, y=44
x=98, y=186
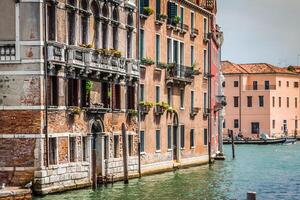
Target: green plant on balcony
x=115, y=53
x=148, y=11
x=104, y=52
x=162, y=17
x=171, y=65
x=163, y=105
x=88, y=86
x=132, y=112
x=147, y=61
x=145, y=106
x=162, y=65
x=73, y=110
x=146, y=103
x=175, y=20
x=86, y=46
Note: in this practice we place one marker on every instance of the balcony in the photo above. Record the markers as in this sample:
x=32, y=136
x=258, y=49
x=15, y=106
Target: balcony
x=194, y=32
x=260, y=87
x=132, y=68
x=179, y=74
x=194, y=111
x=7, y=52
x=56, y=52
x=97, y=109
x=206, y=112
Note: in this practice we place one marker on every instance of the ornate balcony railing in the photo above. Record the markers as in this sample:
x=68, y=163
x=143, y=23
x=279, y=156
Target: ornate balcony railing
x=56, y=52
x=7, y=52
x=180, y=73
x=260, y=87
x=194, y=32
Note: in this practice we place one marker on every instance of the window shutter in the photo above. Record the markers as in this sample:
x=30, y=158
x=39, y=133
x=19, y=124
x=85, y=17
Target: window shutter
x=157, y=7
x=173, y=10
x=113, y=94
x=146, y=3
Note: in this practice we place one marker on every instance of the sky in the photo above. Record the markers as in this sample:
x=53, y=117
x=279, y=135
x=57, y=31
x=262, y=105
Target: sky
x=260, y=31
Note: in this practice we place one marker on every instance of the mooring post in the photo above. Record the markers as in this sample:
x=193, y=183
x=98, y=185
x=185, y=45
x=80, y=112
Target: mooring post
x=94, y=170
x=251, y=195
x=125, y=163
x=232, y=144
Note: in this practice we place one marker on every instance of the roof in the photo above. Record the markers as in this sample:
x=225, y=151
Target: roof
x=254, y=68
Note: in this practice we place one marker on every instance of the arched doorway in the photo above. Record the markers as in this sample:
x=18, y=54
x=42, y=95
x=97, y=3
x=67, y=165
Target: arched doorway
x=97, y=131
x=175, y=137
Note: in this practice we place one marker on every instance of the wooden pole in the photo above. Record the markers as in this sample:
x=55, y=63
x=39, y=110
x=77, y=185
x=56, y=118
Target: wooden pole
x=232, y=144
x=94, y=170
x=251, y=195
x=125, y=163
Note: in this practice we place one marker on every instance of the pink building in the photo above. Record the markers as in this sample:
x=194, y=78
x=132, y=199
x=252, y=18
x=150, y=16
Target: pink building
x=261, y=98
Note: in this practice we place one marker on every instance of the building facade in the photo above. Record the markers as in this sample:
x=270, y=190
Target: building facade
x=174, y=83
x=74, y=72
x=261, y=99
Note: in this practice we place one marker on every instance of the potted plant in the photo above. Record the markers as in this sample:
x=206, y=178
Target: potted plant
x=148, y=11
x=86, y=46
x=161, y=107
x=73, y=110
x=132, y=112
x=162, y=65
x=145, y=107
x=147, y=61
x=115, y=53
x=104, y=52
x=175, y=20
x=162, y=17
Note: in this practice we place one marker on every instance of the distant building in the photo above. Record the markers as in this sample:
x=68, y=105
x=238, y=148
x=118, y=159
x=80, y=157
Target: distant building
x=261, y=98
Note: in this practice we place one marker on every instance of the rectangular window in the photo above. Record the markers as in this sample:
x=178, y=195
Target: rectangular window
x=205, y=26
x=288, y=102
x=273, y=124
x=116, y=96
x=142, y=92
x=296, y=124
x=192, y=100
x=142, y=139
x=52, y=151
x=141, y=44
x=236, y=123
x=182, y=136
x=71, y=27
x=172, y=10
x=261, y=101
x=205, y=101
x=157, y=9
x=130, y=145
x=157, y=51
x=157, y=140
x=224, y=123
x=181, y=98
x=296, y=84
x=54, y=91
x=143, y=3
x=181, y=16
x=130, y=97
x=249, y=101
x=169, y=96
x=169, y=136
x=192, y=141
x=192, y=56
x=273, y=102
x=205, y=62
x=287, y=84
x=236, y=101
x=279, y=102
x=157, y=94
x=84, y=96
x=51, y=19
x=84, y=148
x=105, y=94
x=192, y=21
x=169, y=51
x=235, y=84
x=267, y=85
x=254, y=85
x=73, y=92
x=279, y=83
x=72, y=145
x=205, y=137
x=84, y=31
x=296, y=102
x=116, y=146
x=255, y=127
x=129, y=44
x=106, y=147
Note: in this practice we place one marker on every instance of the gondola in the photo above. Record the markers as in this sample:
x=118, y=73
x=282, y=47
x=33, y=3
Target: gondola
x=260, y=142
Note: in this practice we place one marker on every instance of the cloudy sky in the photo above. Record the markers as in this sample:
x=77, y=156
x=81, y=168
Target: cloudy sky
x=260, y=31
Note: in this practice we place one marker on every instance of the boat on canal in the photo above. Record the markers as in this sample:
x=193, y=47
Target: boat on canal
x=258, y=141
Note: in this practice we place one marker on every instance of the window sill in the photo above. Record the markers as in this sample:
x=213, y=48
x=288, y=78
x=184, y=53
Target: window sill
x=158, y=151
x=193, y=147
x=143, y=153
x=169, y=150
x=182, y=148
x=181, y=108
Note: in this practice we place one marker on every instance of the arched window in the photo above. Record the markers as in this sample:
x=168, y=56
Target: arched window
x=95, y=11
x=129, y=35
x=84, y=22
x=51, y=20
x=115, y=28
x=130, y=19
x=71, y=21
x=105, y=13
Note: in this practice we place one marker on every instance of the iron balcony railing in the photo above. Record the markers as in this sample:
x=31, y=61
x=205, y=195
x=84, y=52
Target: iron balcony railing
x=180, y=72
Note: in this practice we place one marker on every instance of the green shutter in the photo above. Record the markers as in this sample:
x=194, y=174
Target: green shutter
x=157, y=7
x=173, y=10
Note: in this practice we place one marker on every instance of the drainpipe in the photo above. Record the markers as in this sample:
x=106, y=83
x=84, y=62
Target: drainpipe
x=209, y=94
x=138, y=90
x=240, y=103
x=45, y=129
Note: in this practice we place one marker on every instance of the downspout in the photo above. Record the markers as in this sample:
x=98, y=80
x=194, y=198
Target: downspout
x=138, y=90
x=240, y=103
x=45, y=129
x=209, y=94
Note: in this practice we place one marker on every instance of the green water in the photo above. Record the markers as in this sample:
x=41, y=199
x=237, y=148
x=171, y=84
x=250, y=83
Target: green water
x=272, y=171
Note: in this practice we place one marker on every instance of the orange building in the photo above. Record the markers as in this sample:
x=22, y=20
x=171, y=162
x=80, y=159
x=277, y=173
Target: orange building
x=261, y=98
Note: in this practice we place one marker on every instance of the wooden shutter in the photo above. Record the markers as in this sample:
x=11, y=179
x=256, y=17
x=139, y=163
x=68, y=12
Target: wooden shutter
x=157, y=7
x=173, y=10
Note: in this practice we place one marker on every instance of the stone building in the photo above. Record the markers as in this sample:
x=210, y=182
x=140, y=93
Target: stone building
x=68, y=80
x=174, y=44
x=262, y=98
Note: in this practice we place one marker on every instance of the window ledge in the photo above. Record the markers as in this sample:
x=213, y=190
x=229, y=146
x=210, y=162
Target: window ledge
x=182, y=148
x=193, y=147
x=169, y=150
x=158, y=151
x=143, y=153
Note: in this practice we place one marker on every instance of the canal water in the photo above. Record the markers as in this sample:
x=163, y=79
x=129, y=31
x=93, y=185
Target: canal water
x=272, y=171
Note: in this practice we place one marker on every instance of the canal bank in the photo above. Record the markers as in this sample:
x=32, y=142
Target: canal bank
x=272, y=171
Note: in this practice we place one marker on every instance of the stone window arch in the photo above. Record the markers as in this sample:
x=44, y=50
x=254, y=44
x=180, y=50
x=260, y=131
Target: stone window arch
x=84, y=21
x=116, y=28
x=130, y=19
x=71, y=22
x=105, y=14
